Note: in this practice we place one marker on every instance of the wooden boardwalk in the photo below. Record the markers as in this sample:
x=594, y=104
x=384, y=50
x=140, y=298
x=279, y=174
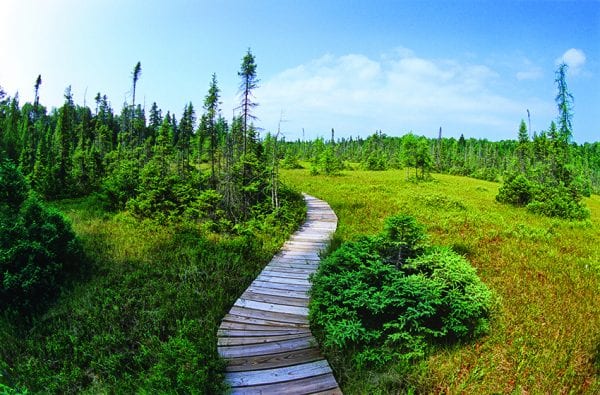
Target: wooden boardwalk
x=265, y=337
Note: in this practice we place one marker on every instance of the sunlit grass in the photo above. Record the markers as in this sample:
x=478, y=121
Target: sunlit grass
x=545, y=272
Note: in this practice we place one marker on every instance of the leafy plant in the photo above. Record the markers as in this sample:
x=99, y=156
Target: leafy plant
x=37, y=246
x=391, y=297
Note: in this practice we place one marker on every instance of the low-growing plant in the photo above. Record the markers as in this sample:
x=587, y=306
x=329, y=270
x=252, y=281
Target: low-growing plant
x=392, y=297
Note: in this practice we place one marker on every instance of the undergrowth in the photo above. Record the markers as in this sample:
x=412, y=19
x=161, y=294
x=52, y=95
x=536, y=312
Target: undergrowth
x=146, y=316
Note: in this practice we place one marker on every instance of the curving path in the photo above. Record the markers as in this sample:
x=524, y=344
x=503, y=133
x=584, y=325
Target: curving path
x=265, y=337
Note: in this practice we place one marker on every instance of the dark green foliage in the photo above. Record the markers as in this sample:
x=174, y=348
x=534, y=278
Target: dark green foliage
x=559, y=201
x=325, y=160
x=38, y=249
x=13, y=188
x=369, y=305
x=517, y=190
x=121, y=185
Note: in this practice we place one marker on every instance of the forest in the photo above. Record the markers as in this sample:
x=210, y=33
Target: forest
x=104, y=216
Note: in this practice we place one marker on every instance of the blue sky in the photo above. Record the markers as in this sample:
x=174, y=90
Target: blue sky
x=471, y=67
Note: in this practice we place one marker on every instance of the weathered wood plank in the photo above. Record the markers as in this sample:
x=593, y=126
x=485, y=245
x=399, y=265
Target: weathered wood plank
x=264, y=331
x=324, y=384
x=289, y=358
x=287, y=272
x=260, y=297
x=278, y=292
x=250, y=350
x=251, y=327
x=282, y=280
x=277, y=375
x=240, y=319
x=240, y=341
x=290, y=287
x=272, y=307
x=268, y=315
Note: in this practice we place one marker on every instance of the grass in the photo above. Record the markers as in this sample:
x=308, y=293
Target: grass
x=545, y=335
x=145, y=315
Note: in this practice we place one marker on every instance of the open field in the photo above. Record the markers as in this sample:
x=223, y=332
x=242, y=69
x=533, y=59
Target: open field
x=545, y=335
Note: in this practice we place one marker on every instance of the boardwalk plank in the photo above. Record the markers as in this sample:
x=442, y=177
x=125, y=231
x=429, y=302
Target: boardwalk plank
x=274, y=347
x=271, y=307
x=240, y=341
x=278, y=360
x=278, y=375
x=278, y=292
x=251, y=331
x=263, y=321
x=324, y=384
x=269, y=315
x=260, y=297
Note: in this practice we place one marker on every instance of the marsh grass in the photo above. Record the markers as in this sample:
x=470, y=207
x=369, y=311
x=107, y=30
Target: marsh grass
x=545, y=332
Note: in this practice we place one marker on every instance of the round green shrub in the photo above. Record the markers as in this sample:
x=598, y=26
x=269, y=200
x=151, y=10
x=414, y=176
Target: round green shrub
x=366, y=304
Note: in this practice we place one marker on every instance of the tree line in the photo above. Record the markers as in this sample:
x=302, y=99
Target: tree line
x=155, y=164
x=545, y=171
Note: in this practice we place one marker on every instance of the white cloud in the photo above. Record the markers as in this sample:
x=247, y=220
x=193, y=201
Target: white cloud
x=574, y=58
x=396, y=93
x=533, y=73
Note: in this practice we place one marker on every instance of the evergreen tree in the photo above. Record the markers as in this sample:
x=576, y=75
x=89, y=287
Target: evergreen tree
x=186, y=130
x=523, y=148
x=64, y=142
x=211, y=107
x=137, y=71
x=248, y=84
x=36, y=99
x=564, y=101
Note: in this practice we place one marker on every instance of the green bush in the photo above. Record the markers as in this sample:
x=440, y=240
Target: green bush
x=517, y=190
x=37, y=246
x=558, y=201
x=486, y=173
x=366, y=305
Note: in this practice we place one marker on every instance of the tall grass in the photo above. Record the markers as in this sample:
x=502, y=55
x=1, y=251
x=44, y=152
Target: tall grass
x=545, y=335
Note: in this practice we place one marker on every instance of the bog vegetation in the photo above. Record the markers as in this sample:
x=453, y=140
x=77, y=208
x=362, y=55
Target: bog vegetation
x=167, y=220
x=390, y=298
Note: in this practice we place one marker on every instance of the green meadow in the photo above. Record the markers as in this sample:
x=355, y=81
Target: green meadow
x=544, y=272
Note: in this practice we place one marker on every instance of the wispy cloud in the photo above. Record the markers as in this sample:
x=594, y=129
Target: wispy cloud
x=574, y=58
x=396, y=93
x=530, y=71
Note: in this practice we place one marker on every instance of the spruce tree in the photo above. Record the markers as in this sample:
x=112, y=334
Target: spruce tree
x=248, y=84
x=211, y=106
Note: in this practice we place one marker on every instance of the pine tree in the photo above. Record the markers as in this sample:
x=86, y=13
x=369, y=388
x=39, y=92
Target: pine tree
x=249, y=83
x=64, y=141
x=523, y=147
x=211, y=107
x=186, y=130
x=564, y=101
x=36, y=99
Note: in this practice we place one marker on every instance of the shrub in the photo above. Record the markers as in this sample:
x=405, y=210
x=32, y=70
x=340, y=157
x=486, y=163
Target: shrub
x=558, y=202
x=37, y=246
x=375, y=161
x=517, y=190
x=366, y=305
x=486, y=173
